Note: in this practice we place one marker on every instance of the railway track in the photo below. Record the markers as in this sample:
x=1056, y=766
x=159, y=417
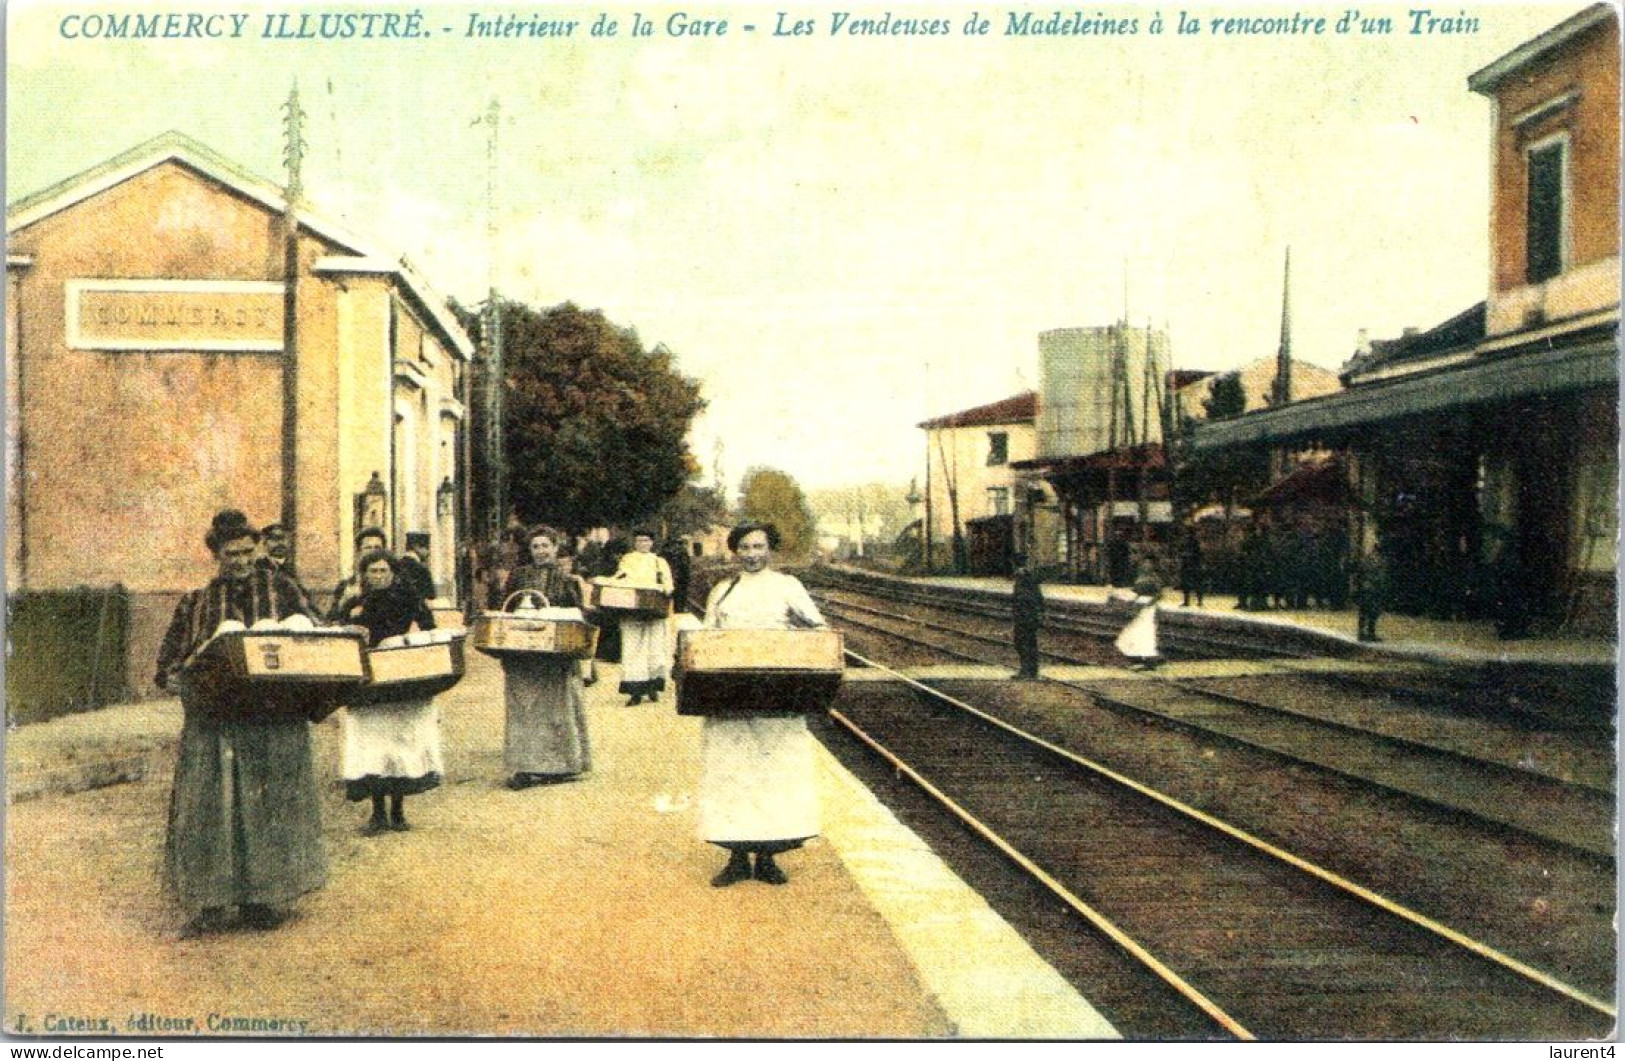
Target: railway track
x=1089, y=625
x=1499, y=794
x=1253, y=941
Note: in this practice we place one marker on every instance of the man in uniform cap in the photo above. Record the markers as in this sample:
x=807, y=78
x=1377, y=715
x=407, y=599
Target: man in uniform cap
x=414, y=570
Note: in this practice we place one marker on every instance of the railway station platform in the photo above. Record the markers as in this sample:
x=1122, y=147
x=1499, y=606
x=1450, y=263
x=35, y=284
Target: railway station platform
x=575, y=910
x=1403, y=636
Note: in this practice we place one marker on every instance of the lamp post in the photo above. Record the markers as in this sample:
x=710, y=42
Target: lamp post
x=371, y=504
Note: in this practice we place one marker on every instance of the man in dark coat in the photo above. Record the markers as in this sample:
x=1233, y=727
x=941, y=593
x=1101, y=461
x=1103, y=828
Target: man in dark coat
x=278, y=545
x=1254, y=559
x=1371, y=591
x=1192, y=577
x=413, y=566
x=1027, y=614
x=675, y=553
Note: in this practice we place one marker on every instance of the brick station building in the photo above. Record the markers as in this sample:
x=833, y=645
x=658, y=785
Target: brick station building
x=165, y=360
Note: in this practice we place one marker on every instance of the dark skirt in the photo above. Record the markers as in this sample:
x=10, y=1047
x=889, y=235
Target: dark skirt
x=372, y=785
x=244, y=816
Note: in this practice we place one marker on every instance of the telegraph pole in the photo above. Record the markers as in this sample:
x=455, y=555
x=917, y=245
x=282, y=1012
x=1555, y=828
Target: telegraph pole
x=495, y=441
x=293, y=157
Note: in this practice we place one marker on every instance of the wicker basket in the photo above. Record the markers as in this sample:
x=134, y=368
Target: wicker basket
x=517, y=635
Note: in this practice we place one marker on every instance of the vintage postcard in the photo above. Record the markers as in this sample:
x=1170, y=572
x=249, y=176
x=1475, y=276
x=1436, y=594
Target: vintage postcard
x=901, y=521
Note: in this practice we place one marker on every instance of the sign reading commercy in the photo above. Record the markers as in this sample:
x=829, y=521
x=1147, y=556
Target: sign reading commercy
x=178, y=315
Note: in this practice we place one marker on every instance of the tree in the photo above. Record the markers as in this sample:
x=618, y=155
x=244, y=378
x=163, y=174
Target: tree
x=1228, y=398
x=768, y=495
x=596, y=424
x=880, y=508
x=694, y=510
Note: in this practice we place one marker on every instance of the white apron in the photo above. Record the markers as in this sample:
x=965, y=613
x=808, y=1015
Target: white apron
x=1139, y=638
x=757, y=780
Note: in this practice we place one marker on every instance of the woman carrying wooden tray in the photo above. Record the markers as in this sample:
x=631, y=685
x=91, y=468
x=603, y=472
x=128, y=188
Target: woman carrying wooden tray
x=645, y=643
x=545, y=740
x=758, y=791
x=390, y=749
x=245, y=826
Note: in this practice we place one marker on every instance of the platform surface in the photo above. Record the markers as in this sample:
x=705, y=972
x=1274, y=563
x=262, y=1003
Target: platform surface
x=580, y=910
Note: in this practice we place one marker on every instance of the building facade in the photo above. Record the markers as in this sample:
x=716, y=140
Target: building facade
x=180, y=342
x=971, y=485
x=1482, y=452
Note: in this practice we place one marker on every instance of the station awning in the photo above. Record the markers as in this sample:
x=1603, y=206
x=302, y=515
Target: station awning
x=1526, y=374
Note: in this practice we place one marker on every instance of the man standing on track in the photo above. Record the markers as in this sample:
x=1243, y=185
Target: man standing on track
x=1027, y=613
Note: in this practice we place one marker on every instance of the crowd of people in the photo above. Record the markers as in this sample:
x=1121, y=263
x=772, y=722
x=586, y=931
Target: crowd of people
x=244, y=829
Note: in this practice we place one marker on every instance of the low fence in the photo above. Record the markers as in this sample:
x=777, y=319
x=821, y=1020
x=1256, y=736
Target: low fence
x=66, y=652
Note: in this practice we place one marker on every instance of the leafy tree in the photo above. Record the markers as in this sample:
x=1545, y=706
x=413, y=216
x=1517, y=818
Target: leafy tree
x=770, y=496
x=693, y=510
x=595, y=424
x=880, y=507
x=1227, y=399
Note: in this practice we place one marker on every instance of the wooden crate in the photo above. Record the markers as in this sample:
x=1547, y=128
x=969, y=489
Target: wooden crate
x=411, y=672
x=278, y=676
x=448, y=618
x=505, y=635
x=755, y=672
x=639, y=602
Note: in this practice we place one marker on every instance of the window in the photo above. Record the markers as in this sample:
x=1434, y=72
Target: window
x=998, y=447
x=1545, y=207
x=998, y=500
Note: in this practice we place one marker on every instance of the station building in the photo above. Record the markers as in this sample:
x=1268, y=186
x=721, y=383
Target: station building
x=168, y=356
x=1482, y=453
x=971, y=483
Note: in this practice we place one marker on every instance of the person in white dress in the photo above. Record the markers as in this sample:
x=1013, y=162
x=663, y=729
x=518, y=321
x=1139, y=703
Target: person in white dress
x=758, y=791
x=1138, y=640
x=390, y=749
x=645, y=643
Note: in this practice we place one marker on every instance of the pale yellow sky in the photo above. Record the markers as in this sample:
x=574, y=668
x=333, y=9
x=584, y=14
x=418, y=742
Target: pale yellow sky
x=809, y=222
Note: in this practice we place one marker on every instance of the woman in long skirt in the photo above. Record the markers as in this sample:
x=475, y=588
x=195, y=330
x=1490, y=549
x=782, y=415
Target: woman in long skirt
x=645, y=643
x=245, y=826
x=758, y=789
x=545, y=740
x=392, y=749
x=1138, y=640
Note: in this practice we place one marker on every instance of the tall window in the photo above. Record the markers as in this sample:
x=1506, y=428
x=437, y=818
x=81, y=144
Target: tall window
x=998, y=500
x=998, y=447
x=1547, y=192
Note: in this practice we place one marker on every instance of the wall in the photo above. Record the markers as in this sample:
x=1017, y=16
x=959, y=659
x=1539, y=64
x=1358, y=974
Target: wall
x=1589, y=66
x=966, y=449
x=128, y=454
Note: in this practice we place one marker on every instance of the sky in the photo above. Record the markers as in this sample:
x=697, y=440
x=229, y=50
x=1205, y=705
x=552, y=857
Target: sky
x=842, y=236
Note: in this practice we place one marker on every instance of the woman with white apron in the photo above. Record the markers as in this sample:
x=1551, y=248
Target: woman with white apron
x=758, y=789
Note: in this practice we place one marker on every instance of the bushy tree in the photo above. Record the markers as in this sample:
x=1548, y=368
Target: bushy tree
x=1227, y=399
x=595, y=423
x=770, y=496
x=878, y=506
x=694, y=510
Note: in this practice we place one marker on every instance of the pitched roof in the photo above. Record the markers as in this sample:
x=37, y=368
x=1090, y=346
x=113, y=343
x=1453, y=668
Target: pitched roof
x=1017, y=409
x=175, y=146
